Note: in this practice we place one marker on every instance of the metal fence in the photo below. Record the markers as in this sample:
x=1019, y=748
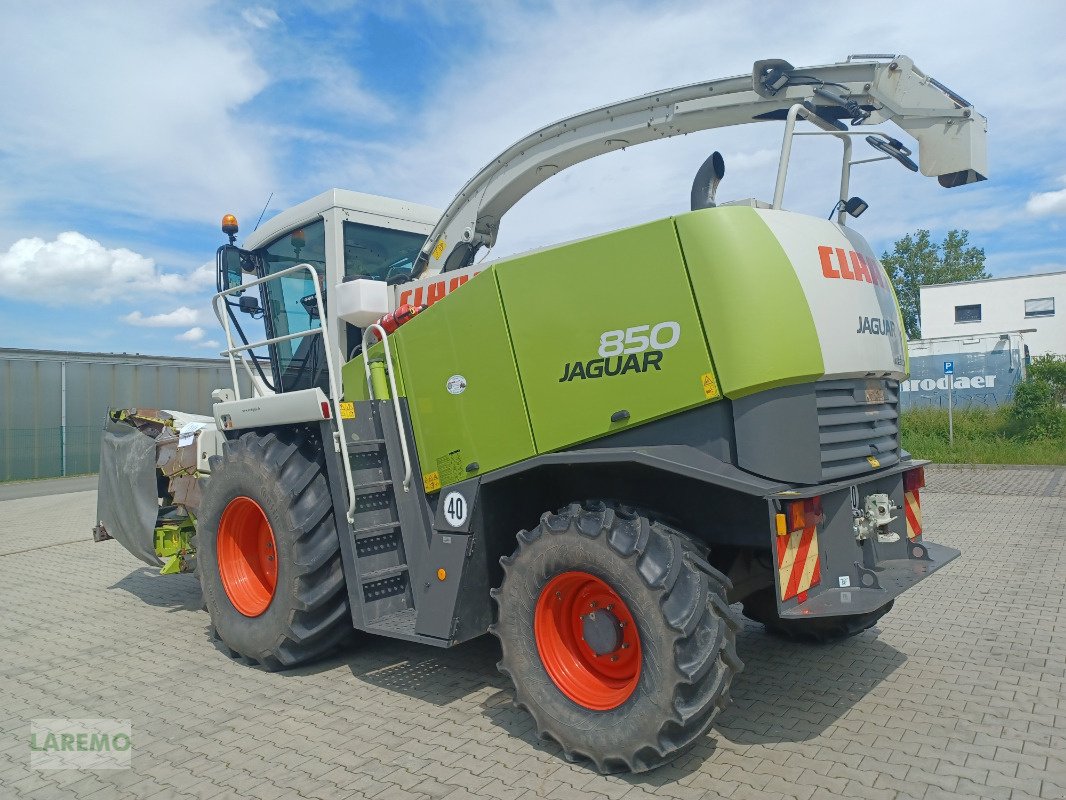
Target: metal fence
x=53, y=404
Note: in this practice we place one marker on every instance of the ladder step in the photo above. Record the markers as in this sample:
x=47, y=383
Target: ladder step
x=361, y=442
x=392, y=524
x=373, y=486
x=379, y=574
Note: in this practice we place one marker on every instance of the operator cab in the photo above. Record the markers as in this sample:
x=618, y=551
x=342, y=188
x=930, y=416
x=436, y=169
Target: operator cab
x=343, y=236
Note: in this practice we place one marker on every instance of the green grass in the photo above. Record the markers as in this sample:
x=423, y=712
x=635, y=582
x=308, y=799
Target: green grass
x=981, y=437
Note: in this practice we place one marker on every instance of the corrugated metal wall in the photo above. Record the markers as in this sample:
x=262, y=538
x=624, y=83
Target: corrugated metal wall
x=39, y=440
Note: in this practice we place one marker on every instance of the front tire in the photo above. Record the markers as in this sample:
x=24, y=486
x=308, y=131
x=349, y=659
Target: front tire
x=617, y=636
x=268, y=552
x=761, y=607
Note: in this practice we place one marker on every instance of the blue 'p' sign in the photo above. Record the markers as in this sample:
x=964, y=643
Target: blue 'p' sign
x=949, y=367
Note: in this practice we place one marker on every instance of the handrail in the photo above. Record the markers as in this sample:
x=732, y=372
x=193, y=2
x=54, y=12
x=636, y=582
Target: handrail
x=340, y=441
x=395, y=394
x=786, y=152
x=251, y=376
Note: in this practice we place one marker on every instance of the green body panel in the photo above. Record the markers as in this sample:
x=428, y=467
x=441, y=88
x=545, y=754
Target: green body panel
x=575, y=342
x=353, y=374
x=560, y=301
x=465, y=335
x=755, y=314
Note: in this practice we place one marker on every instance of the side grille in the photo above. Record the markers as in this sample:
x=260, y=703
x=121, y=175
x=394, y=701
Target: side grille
x=858, y=420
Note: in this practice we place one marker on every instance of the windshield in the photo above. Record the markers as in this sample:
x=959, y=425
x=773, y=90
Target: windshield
x=379, y=253
x=290, y=306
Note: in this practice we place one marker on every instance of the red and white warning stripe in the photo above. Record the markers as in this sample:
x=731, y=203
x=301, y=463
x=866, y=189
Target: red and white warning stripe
x=913, y=506
x=798, y=563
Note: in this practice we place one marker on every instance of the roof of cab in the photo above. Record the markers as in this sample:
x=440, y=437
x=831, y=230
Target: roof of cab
x=311, y=210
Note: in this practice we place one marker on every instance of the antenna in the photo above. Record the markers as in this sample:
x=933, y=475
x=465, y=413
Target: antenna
x=261, y=213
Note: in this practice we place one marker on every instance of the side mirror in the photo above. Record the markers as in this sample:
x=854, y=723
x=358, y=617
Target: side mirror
x=233, y=261
x=230, y=258
x=249, y=305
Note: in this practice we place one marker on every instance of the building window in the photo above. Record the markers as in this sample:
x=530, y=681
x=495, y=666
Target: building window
x=1040, y=307
x=968, y=313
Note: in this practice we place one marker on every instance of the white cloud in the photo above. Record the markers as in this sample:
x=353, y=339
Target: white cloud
x=203, y=277
x=260, y=17
x=136, y=111
x=210, y=344
x=1042, y=204
x=191, y=335
x=73, y=269
x=177, y=318
x=535, y=67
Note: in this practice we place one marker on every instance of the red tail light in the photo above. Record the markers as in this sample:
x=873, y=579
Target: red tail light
x=800, y=514
x=914, y=479
x=325, y=410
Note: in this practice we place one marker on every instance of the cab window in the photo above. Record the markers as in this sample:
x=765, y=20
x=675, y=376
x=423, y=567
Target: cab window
x=290, y=307
x=381, y=254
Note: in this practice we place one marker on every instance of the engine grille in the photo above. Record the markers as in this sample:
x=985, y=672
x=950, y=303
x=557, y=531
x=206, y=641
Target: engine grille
x=858, y=420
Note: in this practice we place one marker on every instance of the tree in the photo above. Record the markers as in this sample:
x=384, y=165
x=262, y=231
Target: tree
x=916, y=261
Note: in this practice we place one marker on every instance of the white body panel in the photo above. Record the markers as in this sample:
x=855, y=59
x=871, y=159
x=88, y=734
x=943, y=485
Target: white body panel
x=857, y=321
x=276, y=409
x=361, y=302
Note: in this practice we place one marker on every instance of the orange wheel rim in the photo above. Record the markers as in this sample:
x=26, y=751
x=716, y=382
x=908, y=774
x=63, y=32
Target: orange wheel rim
x=587, y=640
x=247, y=556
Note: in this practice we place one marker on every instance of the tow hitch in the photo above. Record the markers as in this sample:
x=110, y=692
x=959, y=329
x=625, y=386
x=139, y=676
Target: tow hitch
x=874, y=519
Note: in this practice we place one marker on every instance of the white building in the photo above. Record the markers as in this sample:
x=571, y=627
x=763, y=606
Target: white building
x=1032, y=303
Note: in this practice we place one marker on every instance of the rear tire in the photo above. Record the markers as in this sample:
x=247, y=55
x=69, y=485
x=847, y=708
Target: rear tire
x=269, y=491
x=761, y=607
x=638, y=699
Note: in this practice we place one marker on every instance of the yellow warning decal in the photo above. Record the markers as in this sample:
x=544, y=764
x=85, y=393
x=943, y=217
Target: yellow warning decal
x=710, y=386
x=347, y=410
x=438, y=251
x=873, y=462
x=431, y=480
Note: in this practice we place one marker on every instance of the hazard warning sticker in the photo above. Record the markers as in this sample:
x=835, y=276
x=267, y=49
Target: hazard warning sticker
x=347, y=410
x=710, y=386
x=431, y=480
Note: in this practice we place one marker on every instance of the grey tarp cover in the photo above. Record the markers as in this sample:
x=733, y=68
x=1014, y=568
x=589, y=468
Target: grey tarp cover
x=127, y=504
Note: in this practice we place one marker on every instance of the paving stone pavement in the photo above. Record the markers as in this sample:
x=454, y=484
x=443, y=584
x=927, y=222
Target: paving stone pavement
x=959, y=692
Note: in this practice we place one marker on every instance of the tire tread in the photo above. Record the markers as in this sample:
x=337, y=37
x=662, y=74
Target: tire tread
x=290, y=460
x=692, y=601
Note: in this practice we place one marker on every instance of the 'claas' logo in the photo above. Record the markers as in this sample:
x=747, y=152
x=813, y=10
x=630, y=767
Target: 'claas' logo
x=852, y=266
x=428, y=294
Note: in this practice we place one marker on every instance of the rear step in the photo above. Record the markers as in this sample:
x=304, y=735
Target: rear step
x=401, y=625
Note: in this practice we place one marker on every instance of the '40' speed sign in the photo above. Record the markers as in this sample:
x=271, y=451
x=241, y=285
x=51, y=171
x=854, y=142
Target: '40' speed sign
x=455, y=509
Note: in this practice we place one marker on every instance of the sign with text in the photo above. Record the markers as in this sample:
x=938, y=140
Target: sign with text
x=978, y=379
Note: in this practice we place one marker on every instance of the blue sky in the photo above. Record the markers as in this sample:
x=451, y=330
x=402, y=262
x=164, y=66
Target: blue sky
x=128, y=130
